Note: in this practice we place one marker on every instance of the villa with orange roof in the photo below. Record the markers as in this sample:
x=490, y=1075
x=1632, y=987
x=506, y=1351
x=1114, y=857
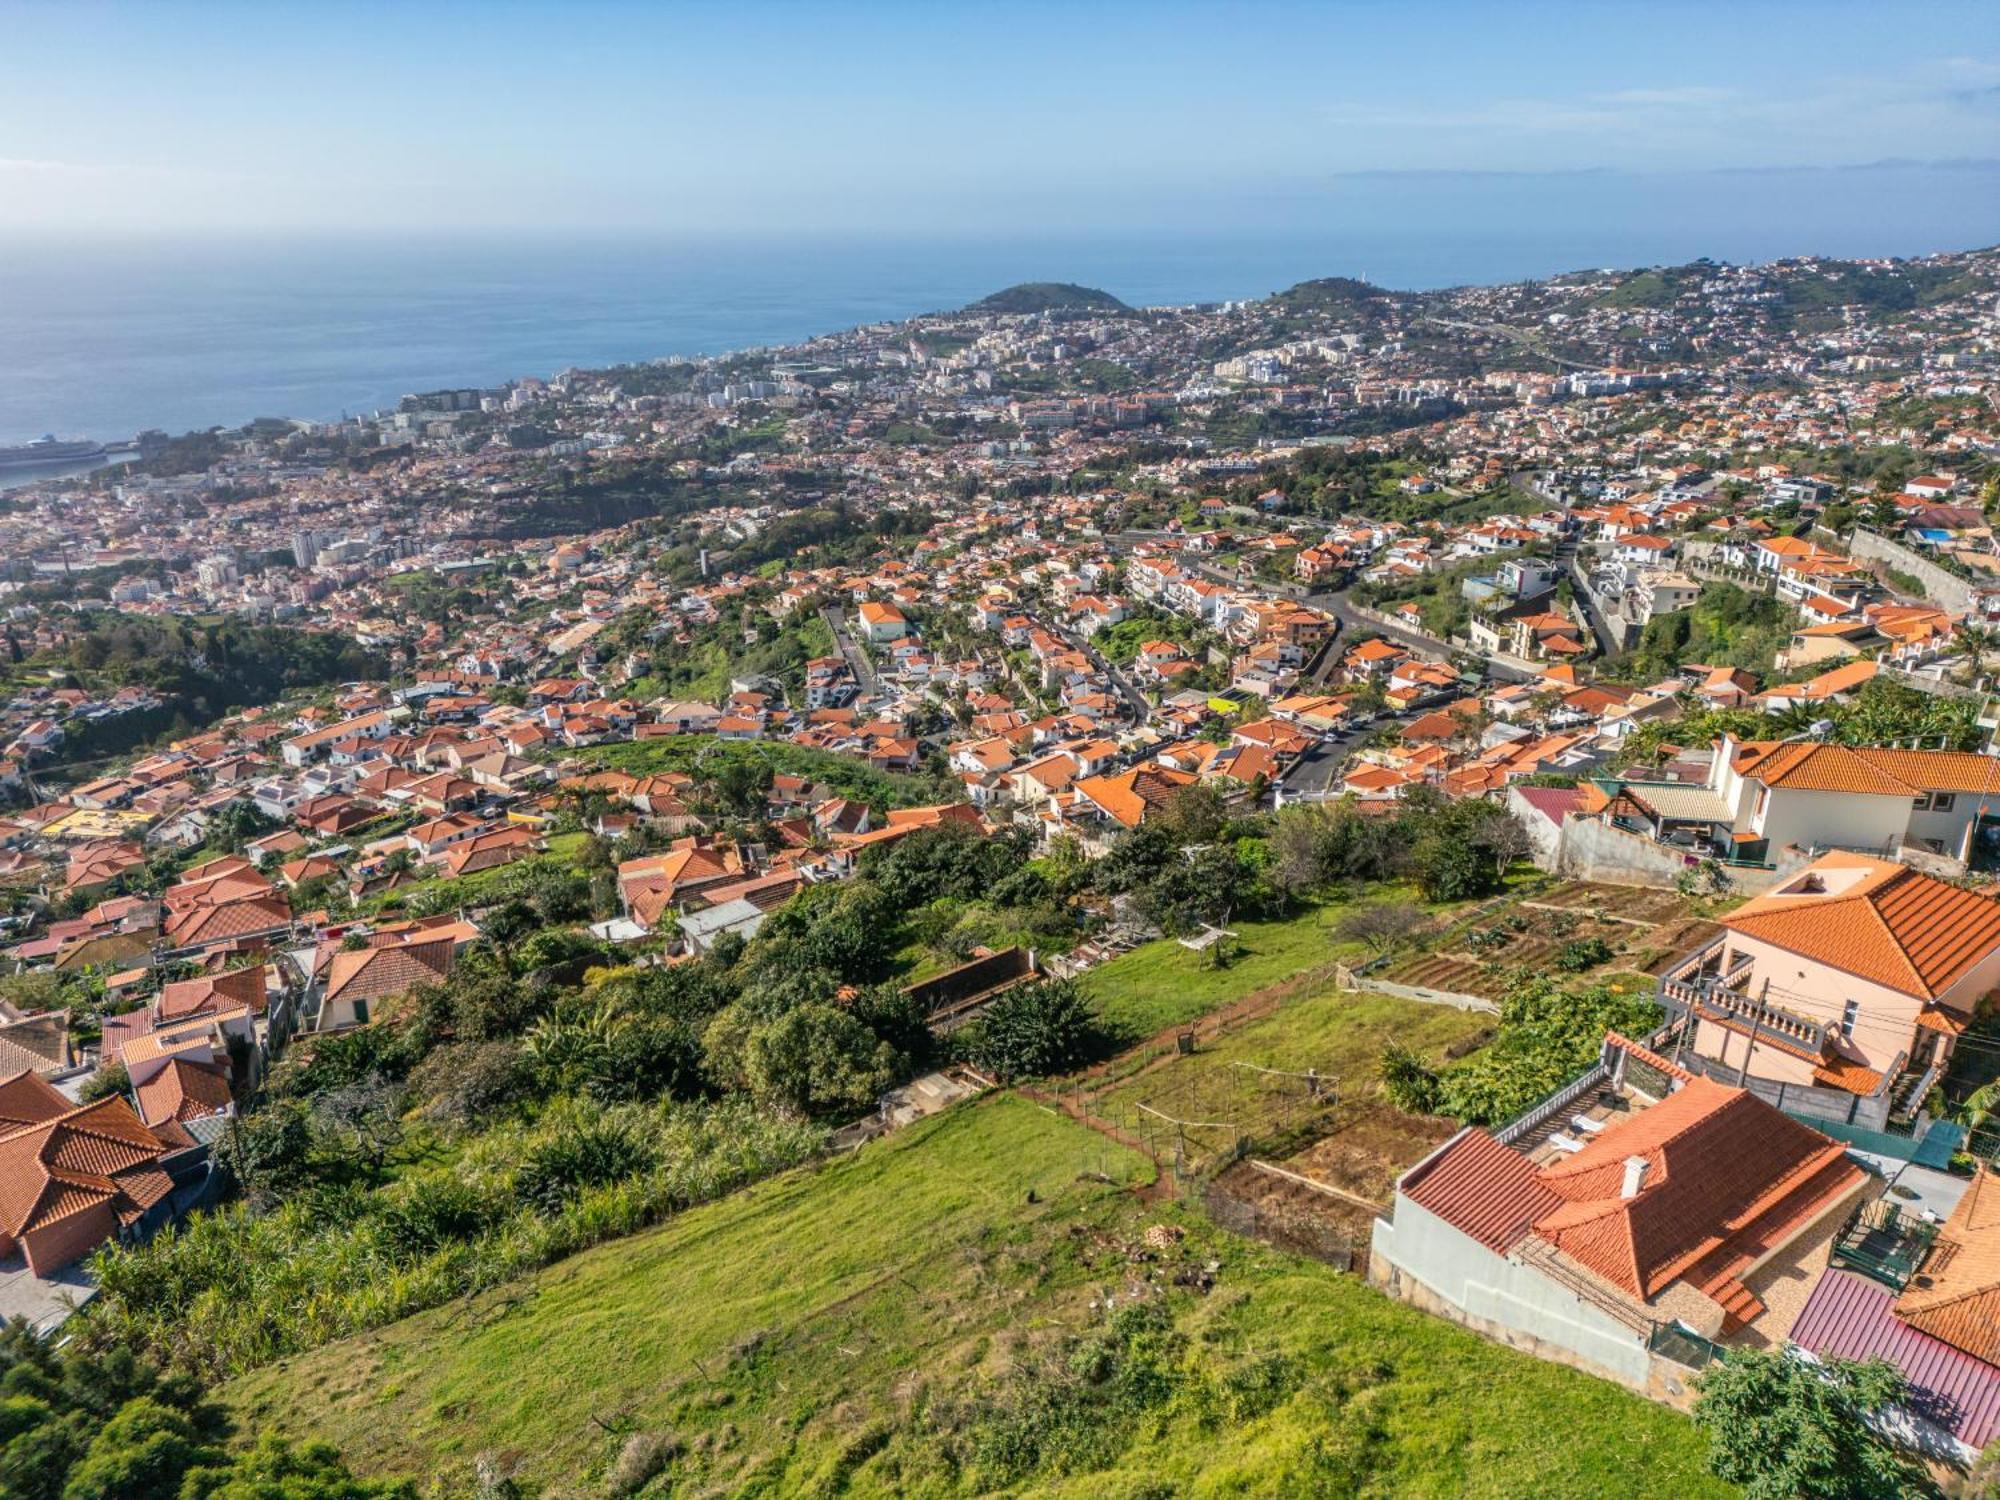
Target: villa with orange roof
x=1804, y=794
x=73, y=1176
x=1856, y=975
x=1622, y=1223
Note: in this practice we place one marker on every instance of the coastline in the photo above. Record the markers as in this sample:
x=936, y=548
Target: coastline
x=113, y=339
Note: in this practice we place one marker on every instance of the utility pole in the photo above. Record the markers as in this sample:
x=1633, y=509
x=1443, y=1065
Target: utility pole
x=1756, y=1022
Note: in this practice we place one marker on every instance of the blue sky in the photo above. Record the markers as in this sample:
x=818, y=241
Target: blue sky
x=732, y=116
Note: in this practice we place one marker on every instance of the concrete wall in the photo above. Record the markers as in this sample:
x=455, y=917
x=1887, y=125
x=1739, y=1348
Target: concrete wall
x=1421, y=1259
x=1946, y=590
x=1594, y=850
x=1948, y=828
x=1425, y=995
x=1728, y=1049
x=55, y=1245
x=1544, y=837
x=1845, y=819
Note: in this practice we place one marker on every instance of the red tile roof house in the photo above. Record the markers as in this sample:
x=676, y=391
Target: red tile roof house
x=1620, y=1221
x=1843, y=991
x=356, y=980
x=73, y=1176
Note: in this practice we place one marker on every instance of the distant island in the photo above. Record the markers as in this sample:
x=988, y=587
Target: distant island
x=1048, y=296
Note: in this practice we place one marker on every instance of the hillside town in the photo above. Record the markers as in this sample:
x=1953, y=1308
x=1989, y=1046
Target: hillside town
x=732, y=762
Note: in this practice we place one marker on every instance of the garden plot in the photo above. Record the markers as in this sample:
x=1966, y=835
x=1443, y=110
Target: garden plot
x=1294, y=1074
x=1322, y=1201
x=1578, y=929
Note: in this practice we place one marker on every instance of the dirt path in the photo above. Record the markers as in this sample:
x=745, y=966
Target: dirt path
x=1162, y=1185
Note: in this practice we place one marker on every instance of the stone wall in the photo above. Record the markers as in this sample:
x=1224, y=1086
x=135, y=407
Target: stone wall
x=1946, y=590
x=1589, y=849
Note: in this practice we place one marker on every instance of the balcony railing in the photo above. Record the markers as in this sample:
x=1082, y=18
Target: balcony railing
x=1682, y=1345
x=1885, y=1243
x=1692, y=964
x=1912, y=1089
x=1553, y=1105
x=1715, y=1000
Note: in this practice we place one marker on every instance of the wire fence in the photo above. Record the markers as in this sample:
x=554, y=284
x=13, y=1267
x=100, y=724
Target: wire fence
x=1303, y=1233
x=1194, y=1115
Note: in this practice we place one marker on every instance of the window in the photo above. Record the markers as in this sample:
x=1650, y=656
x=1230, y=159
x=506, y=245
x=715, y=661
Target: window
x=1942, y=801
x=1848, y=1017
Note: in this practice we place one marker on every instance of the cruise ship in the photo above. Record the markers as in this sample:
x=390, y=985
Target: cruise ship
x=48, y=450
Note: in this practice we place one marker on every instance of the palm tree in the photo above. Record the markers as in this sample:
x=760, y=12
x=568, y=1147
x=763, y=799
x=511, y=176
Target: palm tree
x=1975, y=643
x=1976, y=1109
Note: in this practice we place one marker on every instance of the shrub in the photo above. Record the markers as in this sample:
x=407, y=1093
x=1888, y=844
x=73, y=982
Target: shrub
x=578, y=1156
x=464, y=1083
x=1042, y=1027
x=429, y=1210
x=1409, y=1081
x=1579, y=954
x=1547, y=1036
x=1786, y=1429
x=644, y=1456
x=817, y=1060
x=106, y=1081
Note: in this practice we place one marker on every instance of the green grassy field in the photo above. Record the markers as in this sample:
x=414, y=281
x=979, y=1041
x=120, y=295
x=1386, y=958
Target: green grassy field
x=1338, y=1033
x=1161, y=984
x=868, y=1327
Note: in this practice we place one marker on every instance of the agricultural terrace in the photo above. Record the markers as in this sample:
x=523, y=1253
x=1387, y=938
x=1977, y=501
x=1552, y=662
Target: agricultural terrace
x=1299, y=1072
x=1164, y=983
x=1577, y=929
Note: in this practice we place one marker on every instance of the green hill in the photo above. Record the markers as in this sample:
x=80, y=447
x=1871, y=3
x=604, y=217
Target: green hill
x=1330, y=293
x=1048, y=296
x=928, y=1317
x=1656, y=287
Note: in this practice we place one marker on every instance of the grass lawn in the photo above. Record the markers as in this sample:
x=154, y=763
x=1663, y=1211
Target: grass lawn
x=816, y=1334
x=1339, y=1033
x=1161, y=984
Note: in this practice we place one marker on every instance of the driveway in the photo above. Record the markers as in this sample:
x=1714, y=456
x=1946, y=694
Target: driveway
x=42, y=1300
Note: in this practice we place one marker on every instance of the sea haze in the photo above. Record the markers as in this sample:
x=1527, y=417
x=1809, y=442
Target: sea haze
x=102, y=340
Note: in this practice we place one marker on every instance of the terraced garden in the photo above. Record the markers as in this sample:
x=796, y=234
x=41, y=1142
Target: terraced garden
x=1577, y=929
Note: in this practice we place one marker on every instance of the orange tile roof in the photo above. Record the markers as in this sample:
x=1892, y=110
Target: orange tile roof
x=1845, y=1073
x=1481, y=1188
x=184, y=1090
x=214, y=992
x=376, y=973
x=1815, y=767
x=1955, y=1295
x=1896, y=926
x=88, y=1155
x=1724, y=1170
x=1130, y=795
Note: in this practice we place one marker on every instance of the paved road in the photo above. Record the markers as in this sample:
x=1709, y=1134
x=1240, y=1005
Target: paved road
x=1320, y=769
x=1141, y=706
x=1585, y=603
x=1341, y=609
x=857, y=659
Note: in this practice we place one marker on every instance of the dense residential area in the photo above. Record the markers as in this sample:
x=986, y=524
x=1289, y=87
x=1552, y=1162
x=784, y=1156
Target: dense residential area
x=1281, y=897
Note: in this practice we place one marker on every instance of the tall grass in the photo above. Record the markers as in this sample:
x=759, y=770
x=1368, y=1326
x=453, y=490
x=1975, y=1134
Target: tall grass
x=232, y=1290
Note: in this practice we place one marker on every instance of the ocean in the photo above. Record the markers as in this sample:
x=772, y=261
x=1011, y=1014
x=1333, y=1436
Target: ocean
x=103, y=339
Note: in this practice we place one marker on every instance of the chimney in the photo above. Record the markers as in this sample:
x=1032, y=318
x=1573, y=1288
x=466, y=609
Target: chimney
x=1635, y=1176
